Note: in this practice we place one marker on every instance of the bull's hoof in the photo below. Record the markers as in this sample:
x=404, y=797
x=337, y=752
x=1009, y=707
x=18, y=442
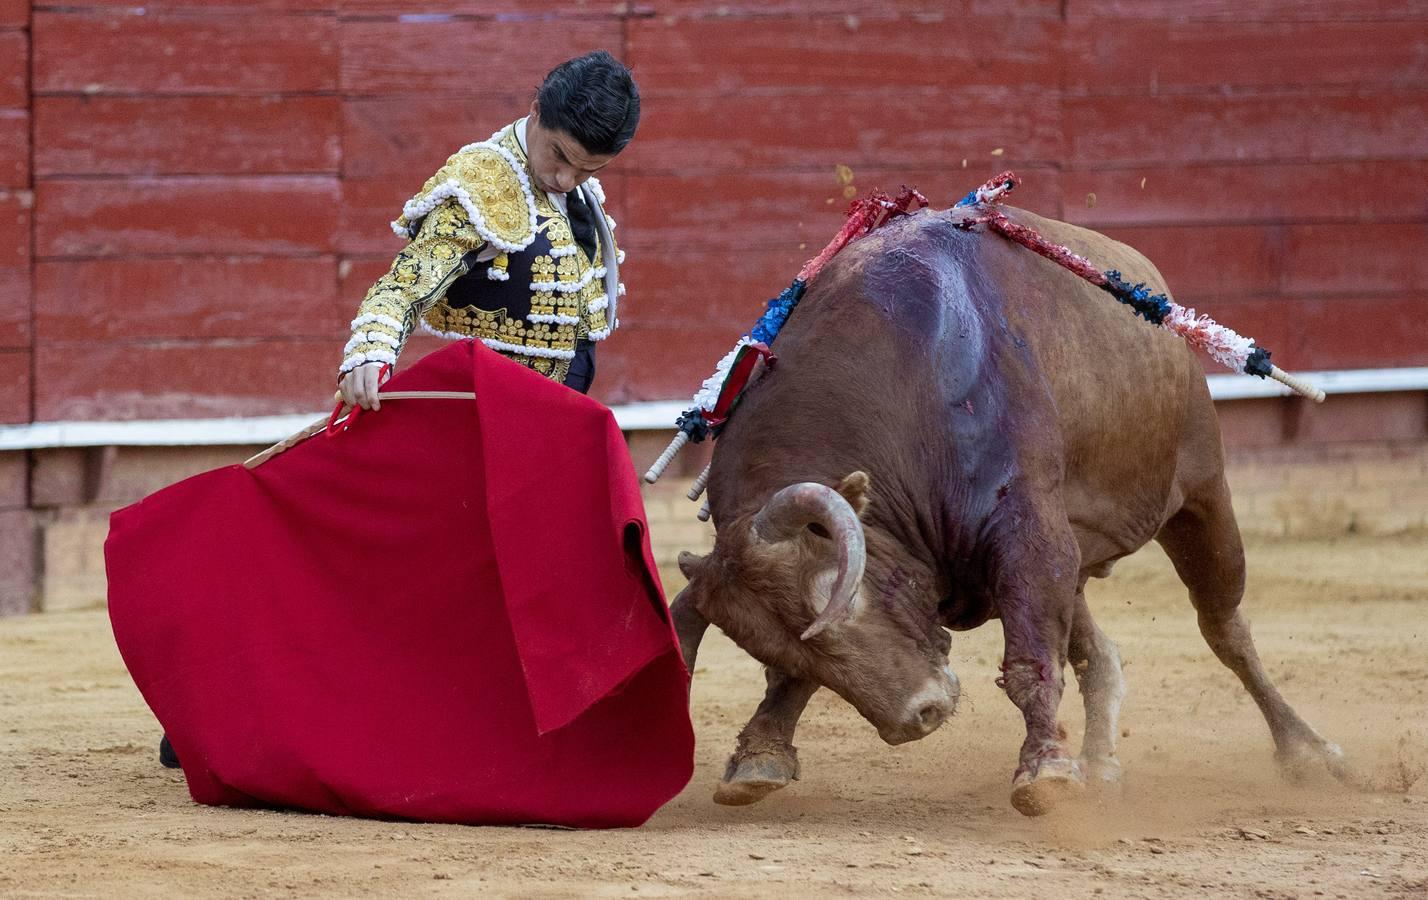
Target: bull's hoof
x=751, y=778
x=743, y=793
x=1055, y=782
x=1302, y=761
x=1102, y=774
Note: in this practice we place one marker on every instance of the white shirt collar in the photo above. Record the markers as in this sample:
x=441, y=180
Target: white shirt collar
x=521, y=135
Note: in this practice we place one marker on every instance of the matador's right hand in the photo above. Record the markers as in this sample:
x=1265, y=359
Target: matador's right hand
x=359, y=386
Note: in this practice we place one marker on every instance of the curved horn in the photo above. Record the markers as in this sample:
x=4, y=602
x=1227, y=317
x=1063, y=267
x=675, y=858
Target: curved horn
x=795, y=508
x=689, y=627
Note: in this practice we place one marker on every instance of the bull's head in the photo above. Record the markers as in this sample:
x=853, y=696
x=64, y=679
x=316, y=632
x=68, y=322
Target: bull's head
x=796, y=586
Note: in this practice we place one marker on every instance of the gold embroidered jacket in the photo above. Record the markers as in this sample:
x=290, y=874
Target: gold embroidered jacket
x=532, y=300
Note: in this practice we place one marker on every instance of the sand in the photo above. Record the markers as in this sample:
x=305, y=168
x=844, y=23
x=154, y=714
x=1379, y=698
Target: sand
x=86, y=811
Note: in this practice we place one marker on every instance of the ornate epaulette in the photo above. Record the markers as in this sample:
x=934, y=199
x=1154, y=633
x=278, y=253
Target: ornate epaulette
x=490, y=184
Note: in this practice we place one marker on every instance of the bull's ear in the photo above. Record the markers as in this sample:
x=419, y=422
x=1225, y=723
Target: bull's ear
x=690, y=563
x=854, y=489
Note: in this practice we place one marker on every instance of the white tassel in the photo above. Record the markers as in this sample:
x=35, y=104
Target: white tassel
x=708, y=393
x=357, y=359
x=569, y=287
x=522, y=350
x=553, y=319
x=1224, y=345
x=371, y=337
x=380, y=320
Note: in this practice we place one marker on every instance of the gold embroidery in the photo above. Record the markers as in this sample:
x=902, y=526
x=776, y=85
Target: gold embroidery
x=557, y=230
x=544, y=206
x=567, y=304
x=542, y=269
x=418, y=277
x=542, y=303
x=495, y=189
x=569, y=269
x=508, y=141
x=593, y=291
x=415, y=286
x=406, y=270
x=497, y=325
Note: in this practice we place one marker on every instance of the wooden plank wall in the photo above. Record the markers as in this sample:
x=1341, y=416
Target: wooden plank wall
x=193, y=197
x=16, y=204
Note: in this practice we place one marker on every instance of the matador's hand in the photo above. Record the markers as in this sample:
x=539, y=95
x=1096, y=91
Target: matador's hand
x=359, y=386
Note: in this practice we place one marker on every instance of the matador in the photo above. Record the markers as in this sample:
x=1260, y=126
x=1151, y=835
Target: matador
x=509, y=242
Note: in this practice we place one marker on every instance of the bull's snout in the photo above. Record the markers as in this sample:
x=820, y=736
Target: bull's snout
x=926, y=711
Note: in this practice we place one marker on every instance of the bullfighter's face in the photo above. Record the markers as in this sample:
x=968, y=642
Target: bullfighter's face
x=811, y=594
x=558, y=162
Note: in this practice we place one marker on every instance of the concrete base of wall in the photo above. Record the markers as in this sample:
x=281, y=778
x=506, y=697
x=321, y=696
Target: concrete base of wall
x=1326, y=491
x=55, y=504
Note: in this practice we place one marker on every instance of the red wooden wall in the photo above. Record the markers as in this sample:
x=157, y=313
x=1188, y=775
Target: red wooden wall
x=193, y=197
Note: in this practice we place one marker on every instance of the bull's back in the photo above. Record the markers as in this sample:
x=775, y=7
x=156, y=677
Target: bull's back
x=1137, y=425
x=1072, y=380
x=977, y=353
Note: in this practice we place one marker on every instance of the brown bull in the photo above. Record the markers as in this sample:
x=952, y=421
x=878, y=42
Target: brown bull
x=958, y=430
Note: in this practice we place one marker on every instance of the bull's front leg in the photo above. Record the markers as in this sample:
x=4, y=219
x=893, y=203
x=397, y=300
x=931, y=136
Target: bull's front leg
x=1035, y=582
x=765, y=758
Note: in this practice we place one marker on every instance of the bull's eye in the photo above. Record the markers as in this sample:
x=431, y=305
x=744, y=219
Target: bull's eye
x=819, y=530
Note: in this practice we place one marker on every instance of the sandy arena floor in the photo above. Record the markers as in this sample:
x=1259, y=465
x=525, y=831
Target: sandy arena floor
x=86, y=811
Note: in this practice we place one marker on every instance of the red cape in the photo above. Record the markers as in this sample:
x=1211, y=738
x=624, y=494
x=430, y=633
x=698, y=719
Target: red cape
x=448, y=612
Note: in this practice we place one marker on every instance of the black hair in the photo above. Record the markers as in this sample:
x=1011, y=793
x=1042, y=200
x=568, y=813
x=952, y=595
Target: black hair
x=592, y=98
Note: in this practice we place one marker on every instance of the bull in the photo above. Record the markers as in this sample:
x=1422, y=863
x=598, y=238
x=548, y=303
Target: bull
x=958, y=430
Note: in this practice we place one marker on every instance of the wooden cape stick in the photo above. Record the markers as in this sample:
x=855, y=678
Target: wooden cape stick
x=321, y=425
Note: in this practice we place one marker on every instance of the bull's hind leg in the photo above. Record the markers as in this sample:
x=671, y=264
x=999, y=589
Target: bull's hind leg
x=1097, y=664
x=765, y=758
x=1203, y=541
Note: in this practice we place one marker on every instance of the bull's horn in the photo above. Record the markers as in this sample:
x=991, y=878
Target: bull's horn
x=798, y=506
x=689, y=627
x=690, y=563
